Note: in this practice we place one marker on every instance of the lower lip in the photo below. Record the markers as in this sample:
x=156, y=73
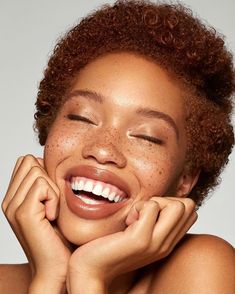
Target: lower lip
x=90, y=211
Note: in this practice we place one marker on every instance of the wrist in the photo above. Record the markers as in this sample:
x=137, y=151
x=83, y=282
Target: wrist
x=85, y=283
x=46, y=285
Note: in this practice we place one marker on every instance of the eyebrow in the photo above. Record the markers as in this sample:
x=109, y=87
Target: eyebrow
x=92, y=95
x=145, y=112
x=149, y=113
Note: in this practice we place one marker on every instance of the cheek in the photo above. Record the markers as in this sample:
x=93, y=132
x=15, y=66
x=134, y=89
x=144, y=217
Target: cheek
x=60, y=144
x=156, y=171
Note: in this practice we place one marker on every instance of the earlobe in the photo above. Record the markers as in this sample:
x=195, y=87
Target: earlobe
x=186, y=183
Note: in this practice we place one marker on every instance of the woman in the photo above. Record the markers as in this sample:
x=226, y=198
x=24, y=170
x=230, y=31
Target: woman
x=134, y=112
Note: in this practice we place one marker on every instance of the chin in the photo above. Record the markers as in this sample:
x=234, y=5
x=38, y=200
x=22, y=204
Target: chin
x=79, y=231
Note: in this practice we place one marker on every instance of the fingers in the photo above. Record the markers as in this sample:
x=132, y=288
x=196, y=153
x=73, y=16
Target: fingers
x=35, y=173
x=34, y=201
x=132, y=216
x=40, y=200
x=160, y=227
x=191, y=220
x=22, y=167
x=138, y=210
x=31, y=203
x=170, y=215
x=40, y=161
x=26, y=167
x=18, y=162
x=137, y=236
x=175, y=219
x=154, y=228
x=147, y=212
x=186, y=221
x=29, y=184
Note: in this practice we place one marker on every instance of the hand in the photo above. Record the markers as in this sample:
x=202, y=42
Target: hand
x=153, y=229
x=30, y=205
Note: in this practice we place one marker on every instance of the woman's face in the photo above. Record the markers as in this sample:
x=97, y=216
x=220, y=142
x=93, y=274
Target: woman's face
x=119, y=134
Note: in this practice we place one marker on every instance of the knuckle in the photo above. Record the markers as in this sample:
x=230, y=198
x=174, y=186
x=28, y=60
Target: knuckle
x=36, y=171
x=29, y=157
x=40, y=181
x=9, y=215
x=178, y=206
x=19, y=159
x=190, y=204
x=155, y=198
x=153, y=203
x=28, y=160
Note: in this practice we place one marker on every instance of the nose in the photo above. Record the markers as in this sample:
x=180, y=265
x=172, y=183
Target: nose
x=105, y=149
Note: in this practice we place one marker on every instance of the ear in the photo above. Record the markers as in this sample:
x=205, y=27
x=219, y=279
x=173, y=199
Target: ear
x=186, y=183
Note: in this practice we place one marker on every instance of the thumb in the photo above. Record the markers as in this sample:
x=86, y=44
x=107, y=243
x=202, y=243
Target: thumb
x=134, y=212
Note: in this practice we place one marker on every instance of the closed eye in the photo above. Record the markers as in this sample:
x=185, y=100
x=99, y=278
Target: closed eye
x=80, y=118
x=150, y=139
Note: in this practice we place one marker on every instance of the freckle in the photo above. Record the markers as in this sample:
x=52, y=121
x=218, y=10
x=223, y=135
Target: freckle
x=160, y=172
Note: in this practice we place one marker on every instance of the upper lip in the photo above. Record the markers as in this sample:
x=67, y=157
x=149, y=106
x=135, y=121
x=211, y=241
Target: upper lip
x=98, y=174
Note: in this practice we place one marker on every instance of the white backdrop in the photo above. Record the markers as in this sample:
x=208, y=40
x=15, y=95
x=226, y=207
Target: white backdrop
x=28, y=32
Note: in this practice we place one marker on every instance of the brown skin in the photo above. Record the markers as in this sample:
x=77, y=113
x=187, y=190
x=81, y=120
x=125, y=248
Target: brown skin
x=122, y=157
x=163, y=34
x=210, y=256
x=135, y=160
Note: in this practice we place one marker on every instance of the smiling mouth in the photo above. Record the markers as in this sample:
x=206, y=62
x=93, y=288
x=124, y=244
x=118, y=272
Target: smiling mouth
x=93, y=192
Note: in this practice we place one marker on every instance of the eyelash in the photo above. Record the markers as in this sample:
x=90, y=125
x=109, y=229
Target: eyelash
x=150, y=139
x=144, y=137
x=79, y=118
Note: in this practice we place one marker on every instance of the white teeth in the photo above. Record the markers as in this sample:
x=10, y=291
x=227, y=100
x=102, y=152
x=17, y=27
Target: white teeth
x=87, y=200
x=116, y=198
x=77, y=185
x=80, y=185
x=97, y=189
x=88, y=186
x=111, y=196
x=105, y=193
x=73, y=185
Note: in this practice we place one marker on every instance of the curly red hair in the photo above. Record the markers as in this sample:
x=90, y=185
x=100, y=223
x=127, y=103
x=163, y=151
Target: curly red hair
x=176, y=40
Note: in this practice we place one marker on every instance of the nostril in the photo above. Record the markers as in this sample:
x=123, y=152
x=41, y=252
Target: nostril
x=104, y=154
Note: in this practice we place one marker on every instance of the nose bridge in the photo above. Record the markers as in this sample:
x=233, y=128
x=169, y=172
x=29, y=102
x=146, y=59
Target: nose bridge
x=111, y=135
x=105, y=147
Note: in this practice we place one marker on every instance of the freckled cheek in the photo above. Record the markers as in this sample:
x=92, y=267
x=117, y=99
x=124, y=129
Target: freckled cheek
x=155, y=174
x=59, y=145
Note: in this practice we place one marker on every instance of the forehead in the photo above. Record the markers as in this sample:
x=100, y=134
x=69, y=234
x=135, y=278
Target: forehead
x=131, y=80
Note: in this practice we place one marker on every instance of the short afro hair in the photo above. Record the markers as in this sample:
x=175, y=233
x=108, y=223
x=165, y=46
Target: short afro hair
x=171, y=36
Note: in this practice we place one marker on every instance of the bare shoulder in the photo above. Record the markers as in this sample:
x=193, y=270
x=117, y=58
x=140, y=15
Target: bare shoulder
x=14, y=278
x=199, y=264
